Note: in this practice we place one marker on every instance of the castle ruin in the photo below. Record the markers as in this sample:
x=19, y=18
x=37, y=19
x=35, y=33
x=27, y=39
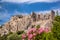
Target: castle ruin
x=20, y=22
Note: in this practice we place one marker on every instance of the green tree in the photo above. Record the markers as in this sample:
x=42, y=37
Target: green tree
x=56, y=28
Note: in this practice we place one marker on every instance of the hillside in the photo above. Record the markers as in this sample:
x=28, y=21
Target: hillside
x=20, y=22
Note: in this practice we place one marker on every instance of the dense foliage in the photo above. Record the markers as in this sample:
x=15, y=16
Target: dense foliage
x=56, y=28
x=37, y=33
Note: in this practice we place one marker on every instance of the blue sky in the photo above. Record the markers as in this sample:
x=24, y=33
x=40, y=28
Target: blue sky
x=9, y=8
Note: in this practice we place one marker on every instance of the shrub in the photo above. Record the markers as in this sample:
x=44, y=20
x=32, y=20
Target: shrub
x=14, y=37
x=56, y=28
x=36, y=34
x=20, y=32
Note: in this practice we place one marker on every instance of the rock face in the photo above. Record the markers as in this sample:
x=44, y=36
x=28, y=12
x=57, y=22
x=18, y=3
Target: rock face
x=20, y=22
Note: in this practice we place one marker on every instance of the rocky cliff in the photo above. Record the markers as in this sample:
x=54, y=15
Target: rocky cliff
x=20, y=22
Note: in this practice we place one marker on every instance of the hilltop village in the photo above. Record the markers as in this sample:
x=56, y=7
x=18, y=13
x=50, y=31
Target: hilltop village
x=25, y=22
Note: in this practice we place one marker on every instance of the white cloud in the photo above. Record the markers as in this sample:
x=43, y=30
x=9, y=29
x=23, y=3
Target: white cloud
x=48, y=11
x=29, y=1
x=18, y=13
x=38, y=12
x=43, y=1
x=4, y=14
x=16, y=1
x=43, y=12
x=0, y=7
x=58, y=10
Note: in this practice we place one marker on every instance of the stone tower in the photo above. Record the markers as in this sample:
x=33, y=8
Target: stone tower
x=52, y=14
x=33, y=16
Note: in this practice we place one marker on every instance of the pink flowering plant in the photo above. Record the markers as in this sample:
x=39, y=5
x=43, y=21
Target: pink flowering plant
x=36, y=33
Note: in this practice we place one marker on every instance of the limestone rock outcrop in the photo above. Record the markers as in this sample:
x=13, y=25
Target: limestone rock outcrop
x=20, y=22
